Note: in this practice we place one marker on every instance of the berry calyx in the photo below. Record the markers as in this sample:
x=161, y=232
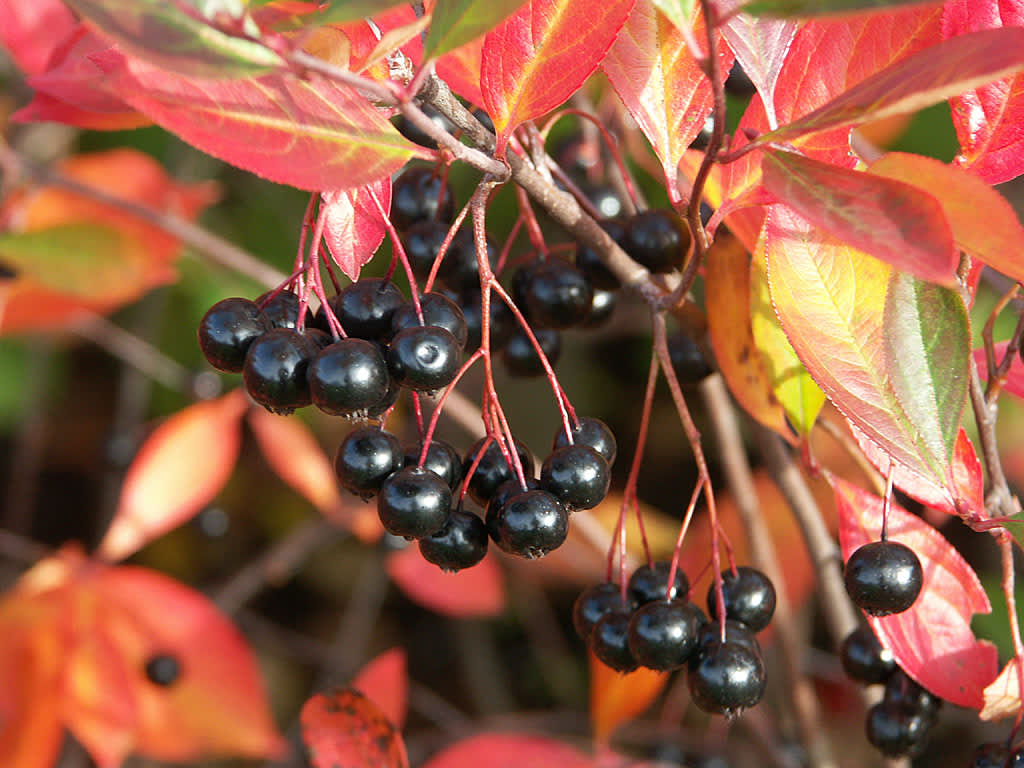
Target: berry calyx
x=657, y=239
x=664, y=635
x=726, y=678
x=531, y=524
x=749, y=598
x=349, y=377
x=609, y=640
x=414, y=503
x=424, y=357
x=864, y=659
x=883, y=577
x=275, y=370
x=650, y=582
x=227, y=330
x=577, y=475
x=461, y=543
x=593, y=603
x=366, y=458
x=163, y=669
x=593, y=433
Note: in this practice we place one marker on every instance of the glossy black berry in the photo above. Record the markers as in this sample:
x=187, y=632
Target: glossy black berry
x=521, y=359
x=609, y=640
x=419, y=193
x=459, y=269
x=417, y=135
x=227, y=330
x=687, y=360
x=282, y=311
x=443, y=460
x=557, y=295
x=366, y=458
x=414, y=502
x=883, y=577
x=664, y=635
x=996, y=754
x=901, y=691
x=602, y=307
x=735, y=632
x=275, y=370
x=749, y=597
x=649, y=583
x=365, y=308
x=864, y=659
x=504, y=492
x=421, y=242
x=576, y=475
x=593, y=603
x=437, y=310
x=163, y=669
x=461, y=543
x=424, y=357
x=349, y=377
x=726, y=678
x=896, y=731
x=657, y=239
x=531, y=524
x=593, y=433
x=502, y=322
x=591, y=264
x=394, y=389
x=492, y=470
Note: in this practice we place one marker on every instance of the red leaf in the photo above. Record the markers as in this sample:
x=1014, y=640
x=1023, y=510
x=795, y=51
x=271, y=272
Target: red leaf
x=312, y=135
x=476, y=591
x=31, y=31
x=354, y=226
x=385, y=680
x=989, y=120
x=510, y=750
x=461, y=70
x=932, y=641
x=761, y=46
x=664, y=89
x=179, y=469
x=344, y=728
x=982, y=222
x=1014, y=383
x=890, y=220
x=537, y=58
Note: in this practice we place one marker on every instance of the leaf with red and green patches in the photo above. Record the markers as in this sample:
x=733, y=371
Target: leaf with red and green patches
x=932, y=640
x=761, y=46
x=988, y=119
x=927, y=77
x=679, y=12
x=354, y=226
x=793, y=386
x=457, y=22
x=889, y=350
x=653, y=72
x=200, y=443
x=537, y=58
x=893, y=221
x=982, y=222
x=314, y=13
x=312, y=135
x=805, y=8
x=165, y=35
x=345, y=728
x=476, y=591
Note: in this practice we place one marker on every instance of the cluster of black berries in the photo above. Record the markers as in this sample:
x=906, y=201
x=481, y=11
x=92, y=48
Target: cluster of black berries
x=659, y=628
x=387, y=346
x=883, y=577
x=898, y=725
x=419, y=500
x=996, y=754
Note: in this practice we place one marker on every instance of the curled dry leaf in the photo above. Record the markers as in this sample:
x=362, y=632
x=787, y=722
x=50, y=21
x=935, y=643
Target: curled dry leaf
x=932, y=641
x=1002, y=696
x=345, y=728
x=179, y=469
x=385, y=680
x=476, y=591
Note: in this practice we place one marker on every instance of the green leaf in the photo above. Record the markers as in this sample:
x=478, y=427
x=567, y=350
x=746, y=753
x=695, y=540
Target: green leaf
x=165, y=35
x=804, y=8
x=457, y=22
x=336, y=12
x=679, y=12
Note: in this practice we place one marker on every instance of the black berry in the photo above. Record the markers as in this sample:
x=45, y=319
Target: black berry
x=896, y=731
x=664, y=635
x=443, y=460
x=593, y=433
x=504, y=492
x=591, y=264
x=348, y=377
x=421, y=242
x=227, y=330
x=424, y=357
x=901, y=691
x=735, y=632
x=749, y=598
x=417, y=135
x=576, y=475
x=438, y=310
x=726, y=678
x=884, y=577
x=609, y=640
x=996, y=754
x=163, y=669
x=649, y=583
x=687, y=360
x=460, y=269
x=419, y=193
x=657, y=239
x=557, y=295
x=282, y=311
x=521, y=359
x=593, y=603
x=864, y=658
x=461, y=543
x=365, y=308
x=602, y=307
x=366, y=458
x=275, y=369
x=414, y=502
x=502, y=322
x=493, y=470
x=531, y=524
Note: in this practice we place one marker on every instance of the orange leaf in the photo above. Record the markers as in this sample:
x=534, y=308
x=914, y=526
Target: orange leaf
x=616, y=698
x=727, y=292
x=476, y=591
x=385, y=680
x=179, y=469
x=345, y=728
